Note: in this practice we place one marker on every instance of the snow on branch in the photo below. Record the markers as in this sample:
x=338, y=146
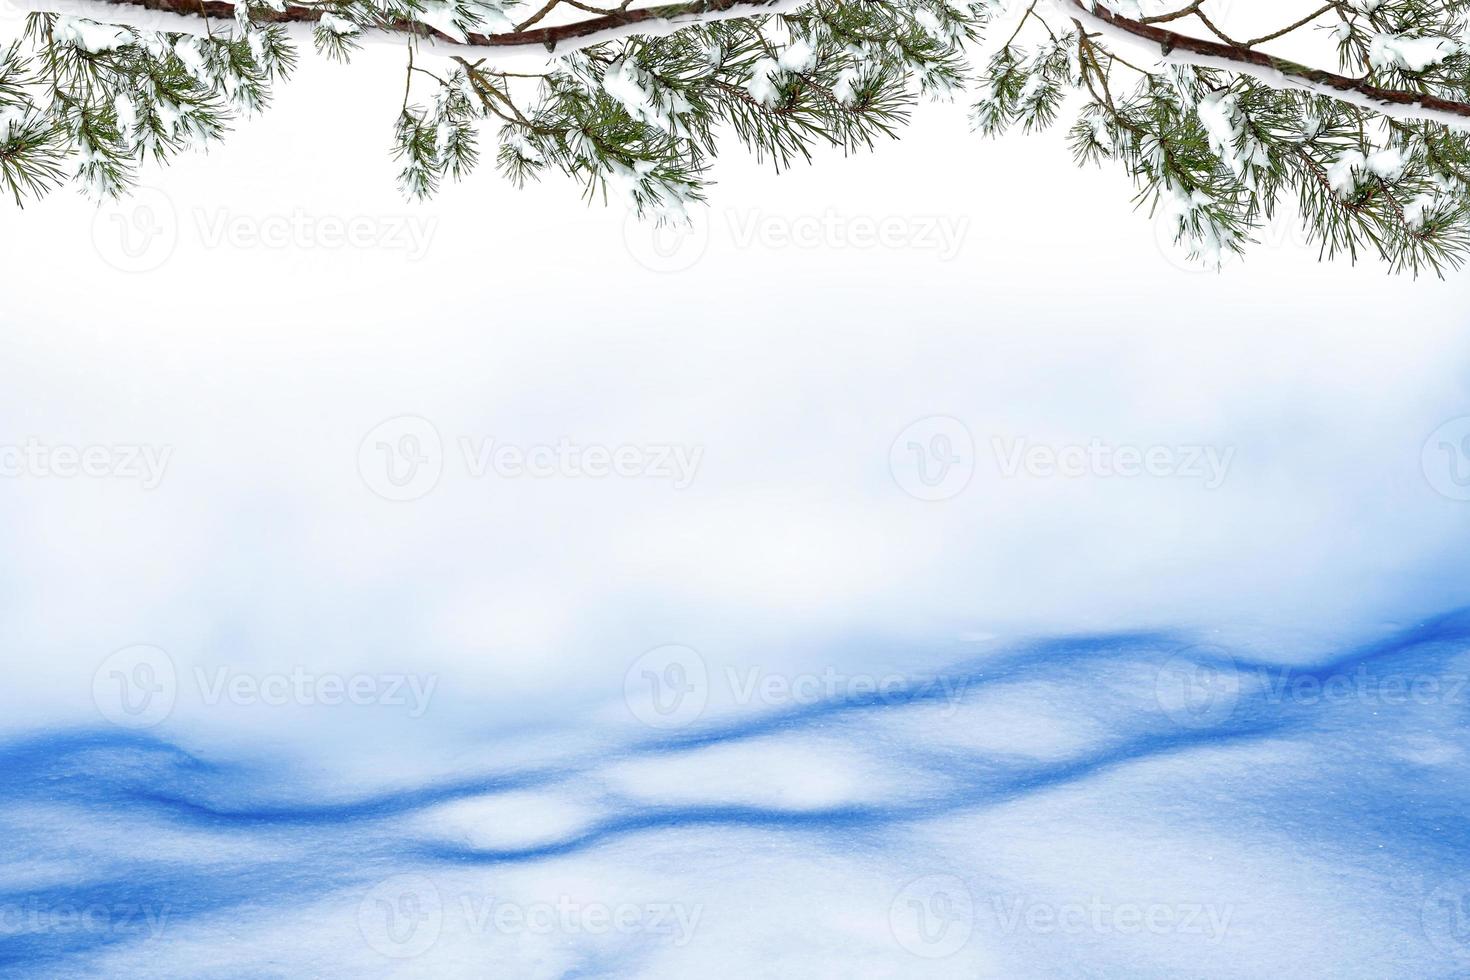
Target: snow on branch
x=1217, y=132
x=192, y=16
x=1173, y=47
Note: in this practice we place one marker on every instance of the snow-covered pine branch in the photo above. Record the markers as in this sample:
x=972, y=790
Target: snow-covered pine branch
x=1356, y=113
x=1178, y=48
x=438, y=24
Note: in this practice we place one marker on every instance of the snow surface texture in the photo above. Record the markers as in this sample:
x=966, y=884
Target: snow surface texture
x=1121, y=805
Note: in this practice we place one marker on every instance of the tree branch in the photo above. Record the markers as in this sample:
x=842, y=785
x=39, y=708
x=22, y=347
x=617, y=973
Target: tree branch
x=1277, y=72
x=185, y=16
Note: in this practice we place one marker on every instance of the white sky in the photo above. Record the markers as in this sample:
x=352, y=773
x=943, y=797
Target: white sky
x=527, y=317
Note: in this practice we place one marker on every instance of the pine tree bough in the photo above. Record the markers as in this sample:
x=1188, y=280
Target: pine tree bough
x=1222, y=122
x=1184, y=49
x=548, y=39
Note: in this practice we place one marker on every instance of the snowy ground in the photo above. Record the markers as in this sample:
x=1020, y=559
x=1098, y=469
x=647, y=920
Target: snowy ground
x=1125, y=805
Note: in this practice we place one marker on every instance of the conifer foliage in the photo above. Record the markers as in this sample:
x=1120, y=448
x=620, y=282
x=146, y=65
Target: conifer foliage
x=1352, y=114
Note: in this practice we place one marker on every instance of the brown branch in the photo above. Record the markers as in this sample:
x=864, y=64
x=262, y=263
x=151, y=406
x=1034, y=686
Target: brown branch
x=547, y=37
x=1173, y=41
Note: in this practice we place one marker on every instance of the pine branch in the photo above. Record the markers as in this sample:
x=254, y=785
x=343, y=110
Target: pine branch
x=1179, y=48
x=601, y=26
x=634, y=100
